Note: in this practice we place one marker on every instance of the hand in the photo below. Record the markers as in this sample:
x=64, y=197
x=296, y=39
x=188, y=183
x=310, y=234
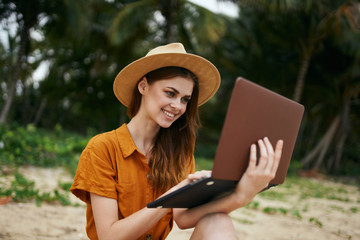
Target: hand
x=198, y=175
x=191, y=177
x=257, y=177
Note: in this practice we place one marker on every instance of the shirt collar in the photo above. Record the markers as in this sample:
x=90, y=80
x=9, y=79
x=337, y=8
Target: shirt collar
x=125, y=140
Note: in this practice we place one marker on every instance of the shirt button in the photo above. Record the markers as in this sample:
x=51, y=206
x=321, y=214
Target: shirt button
x=148, y=237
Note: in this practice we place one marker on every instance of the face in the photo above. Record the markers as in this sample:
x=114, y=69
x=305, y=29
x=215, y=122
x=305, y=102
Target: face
x=164, y=101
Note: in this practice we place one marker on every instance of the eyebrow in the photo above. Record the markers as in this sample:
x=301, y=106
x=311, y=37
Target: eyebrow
x=177, y=92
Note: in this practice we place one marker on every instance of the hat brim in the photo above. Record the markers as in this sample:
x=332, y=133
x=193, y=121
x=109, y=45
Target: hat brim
x=207, y=74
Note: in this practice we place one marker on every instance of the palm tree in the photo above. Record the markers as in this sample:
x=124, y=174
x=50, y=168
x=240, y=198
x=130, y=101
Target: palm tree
x=26, y=14
x=313, y=28
x=347, y=40
x=319, y=17
x=160, y=21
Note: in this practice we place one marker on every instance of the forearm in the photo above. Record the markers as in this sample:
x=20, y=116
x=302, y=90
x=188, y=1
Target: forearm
x=108, y=225
x=135, y=225
x=256, y=178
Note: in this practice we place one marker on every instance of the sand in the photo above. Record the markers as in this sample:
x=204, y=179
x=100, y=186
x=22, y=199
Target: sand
x=318, y=218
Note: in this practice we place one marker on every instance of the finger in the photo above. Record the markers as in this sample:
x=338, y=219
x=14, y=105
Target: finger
x=263, y=154
x=270, y=152
x=193, y=177
x=277, y=154
x=198, y=175
x=252, y=159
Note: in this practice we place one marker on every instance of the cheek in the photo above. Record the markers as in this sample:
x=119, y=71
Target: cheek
x=184, y=108
x=155, y=100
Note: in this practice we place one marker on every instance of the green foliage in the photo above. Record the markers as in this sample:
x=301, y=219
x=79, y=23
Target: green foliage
x=296, y=213
x=253, y=205
x=86, y=43
x=203, y=163
x=37, y=147
x=65, y=185
x=272, y=210
x=354, y=209
x=23, y=190
x=316, y=221
x=243, y=221
x=315, y=189
x=338, y=208
x=304, y=189
x=273, y=194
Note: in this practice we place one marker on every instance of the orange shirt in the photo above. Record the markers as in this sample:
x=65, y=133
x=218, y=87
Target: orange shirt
x=113, y=167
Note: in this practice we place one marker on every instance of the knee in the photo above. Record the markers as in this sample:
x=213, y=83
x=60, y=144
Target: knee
x=216, y=220
x=215, y=226
x=216, y=217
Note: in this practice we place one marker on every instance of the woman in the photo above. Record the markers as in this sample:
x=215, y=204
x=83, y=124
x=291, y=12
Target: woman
x=119, y=172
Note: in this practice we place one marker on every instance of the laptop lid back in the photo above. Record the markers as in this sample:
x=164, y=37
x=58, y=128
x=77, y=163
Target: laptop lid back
x=255, y=112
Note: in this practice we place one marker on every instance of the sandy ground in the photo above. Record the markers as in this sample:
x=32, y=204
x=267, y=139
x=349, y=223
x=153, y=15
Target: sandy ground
x=320, y=218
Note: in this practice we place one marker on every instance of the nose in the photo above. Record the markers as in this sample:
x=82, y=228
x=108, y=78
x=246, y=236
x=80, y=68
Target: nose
x=176, y=104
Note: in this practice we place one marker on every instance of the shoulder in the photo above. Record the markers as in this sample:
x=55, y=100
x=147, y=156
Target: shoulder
x=110, y=137
x=102, y=138
x=110, y=142
x=102, y=143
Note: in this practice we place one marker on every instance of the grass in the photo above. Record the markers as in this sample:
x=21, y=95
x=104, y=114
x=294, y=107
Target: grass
x=242, y=221
x=38, y=147
x=290, y=198
x=29, y=145
x=273, y=210
x=22, y=189
x=354, y=209
x=316, y=221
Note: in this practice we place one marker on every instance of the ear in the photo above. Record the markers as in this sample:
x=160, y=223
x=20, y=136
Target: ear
x=143, y=85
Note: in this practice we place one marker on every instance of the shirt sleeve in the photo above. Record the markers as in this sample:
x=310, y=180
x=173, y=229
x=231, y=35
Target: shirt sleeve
x=95, y=172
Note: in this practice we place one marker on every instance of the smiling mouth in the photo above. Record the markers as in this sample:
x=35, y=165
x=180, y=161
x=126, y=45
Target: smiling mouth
x=168, y=113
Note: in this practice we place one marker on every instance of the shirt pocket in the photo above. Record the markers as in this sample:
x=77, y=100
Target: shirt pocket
x=127, y=198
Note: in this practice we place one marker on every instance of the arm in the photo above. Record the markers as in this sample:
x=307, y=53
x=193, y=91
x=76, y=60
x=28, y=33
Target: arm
x=108, y=225
x=256, y=178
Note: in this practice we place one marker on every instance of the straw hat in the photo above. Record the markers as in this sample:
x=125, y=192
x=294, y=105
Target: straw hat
x=173, y=54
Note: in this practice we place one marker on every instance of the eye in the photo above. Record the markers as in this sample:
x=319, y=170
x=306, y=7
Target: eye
x=185, y=100
x=170, y=94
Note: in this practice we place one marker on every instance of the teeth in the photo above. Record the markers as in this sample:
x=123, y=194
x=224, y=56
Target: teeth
x=168, y=114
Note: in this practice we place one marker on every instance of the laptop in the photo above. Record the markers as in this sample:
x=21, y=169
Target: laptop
x=254, y=112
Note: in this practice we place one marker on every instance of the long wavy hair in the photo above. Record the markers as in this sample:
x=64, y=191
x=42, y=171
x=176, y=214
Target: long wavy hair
x=173, y=148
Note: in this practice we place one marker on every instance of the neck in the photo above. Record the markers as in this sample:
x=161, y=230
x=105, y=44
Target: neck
x=143, y=133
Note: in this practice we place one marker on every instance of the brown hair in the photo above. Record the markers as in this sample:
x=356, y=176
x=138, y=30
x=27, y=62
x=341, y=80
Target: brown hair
x=174, y=147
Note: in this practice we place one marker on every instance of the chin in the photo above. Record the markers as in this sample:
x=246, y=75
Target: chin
x=165, y=124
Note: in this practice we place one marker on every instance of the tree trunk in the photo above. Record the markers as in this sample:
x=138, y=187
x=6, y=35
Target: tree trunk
x=40, y=111
x=343, y=133
x=300, y=82
x=169, y=11
x=24, y=37
x=323, y=145
x=9, y=99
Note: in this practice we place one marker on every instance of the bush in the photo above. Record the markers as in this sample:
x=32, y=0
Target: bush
x=38, y=147
x=23, y=190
